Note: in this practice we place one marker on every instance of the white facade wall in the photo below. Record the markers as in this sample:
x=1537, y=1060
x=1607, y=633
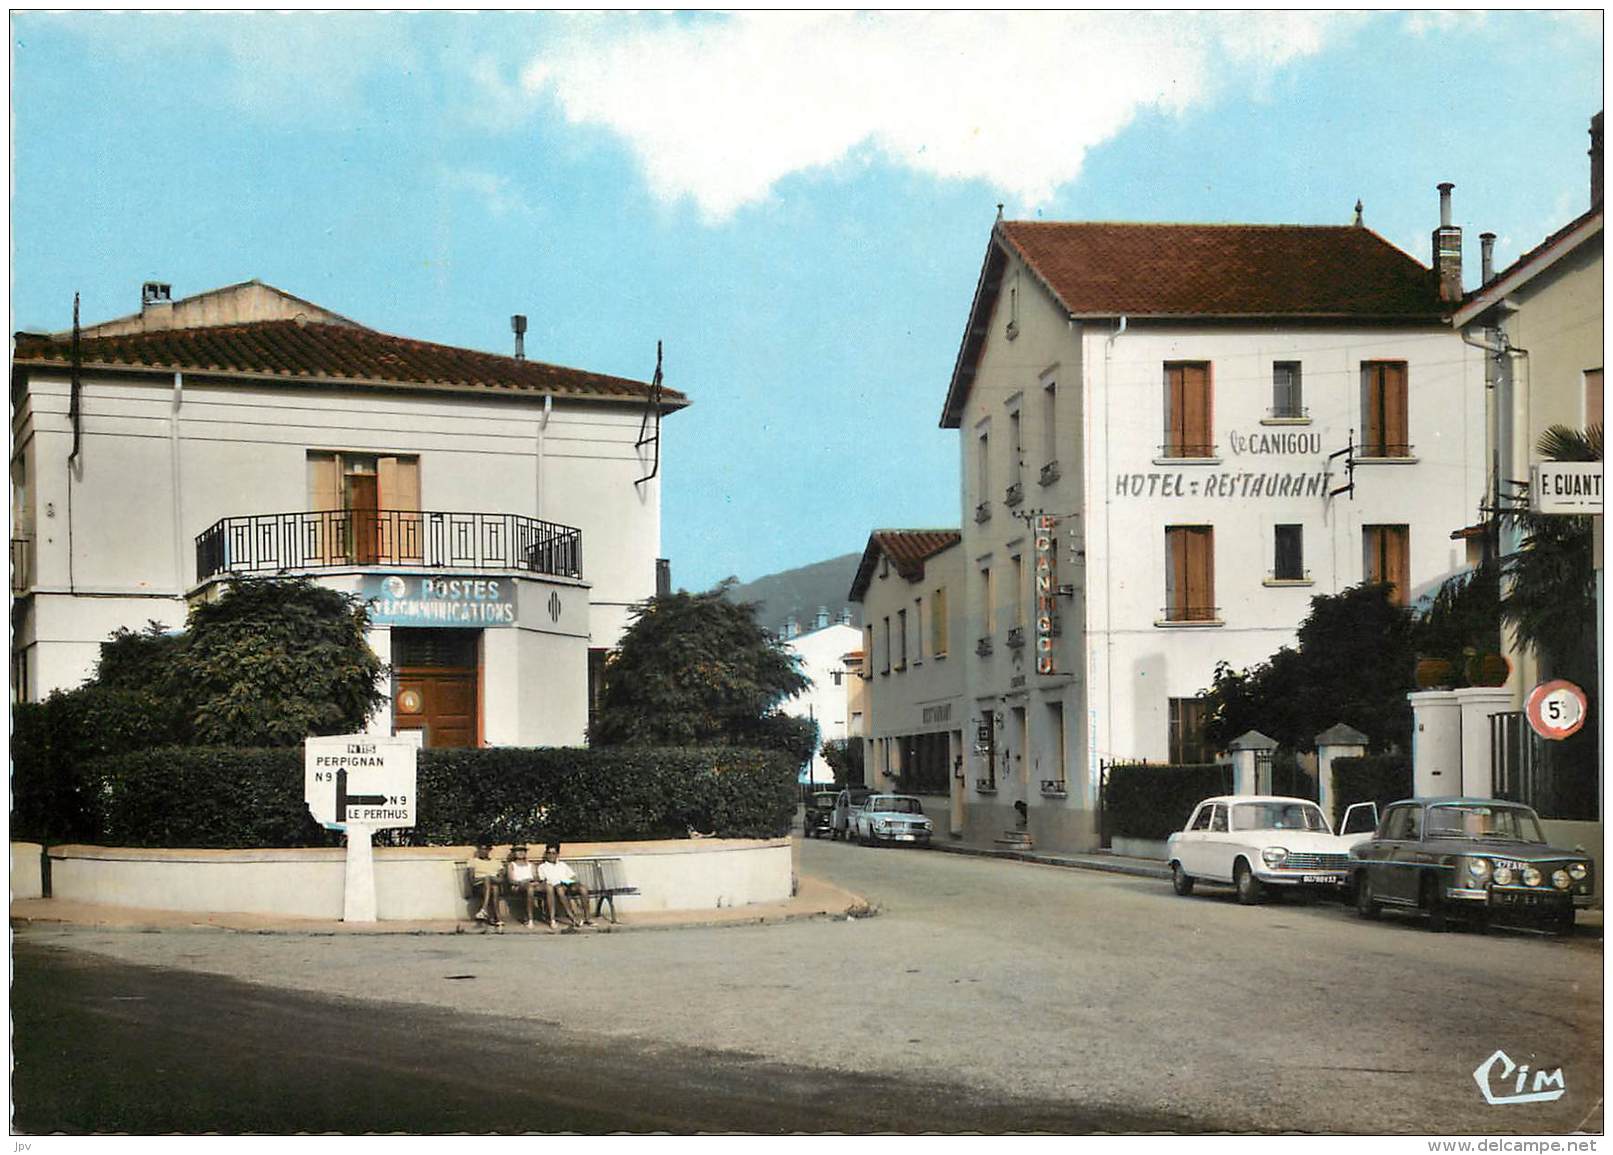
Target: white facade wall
x=1117, y=663
x=161, y=460
x=825, y=700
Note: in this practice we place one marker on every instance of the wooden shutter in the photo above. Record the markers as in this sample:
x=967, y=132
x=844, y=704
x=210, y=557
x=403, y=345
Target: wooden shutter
x=1396, y=434
x=325, y=532
x=1196, y=438
x=1175, y=420
x=1593, y=397
x=1201, y=573
x=400, y=499
x=1396, y=562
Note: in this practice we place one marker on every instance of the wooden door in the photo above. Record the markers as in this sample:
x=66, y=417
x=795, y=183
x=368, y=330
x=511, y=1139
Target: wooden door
x=363, y=506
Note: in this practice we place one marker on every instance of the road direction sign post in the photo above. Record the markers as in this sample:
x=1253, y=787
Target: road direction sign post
x=1556, y=709
x=360, y=783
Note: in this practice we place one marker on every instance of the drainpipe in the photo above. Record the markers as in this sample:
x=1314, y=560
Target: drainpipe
x=1492, y=420
x=1108, y=535
x=178, y=399
x=537, y=469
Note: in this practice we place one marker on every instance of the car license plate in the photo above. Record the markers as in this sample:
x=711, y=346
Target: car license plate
x=1323, y=879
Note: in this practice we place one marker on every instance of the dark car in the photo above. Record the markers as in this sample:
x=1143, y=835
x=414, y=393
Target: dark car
x=1476, y=858
x=819, y=809
x=849, y=800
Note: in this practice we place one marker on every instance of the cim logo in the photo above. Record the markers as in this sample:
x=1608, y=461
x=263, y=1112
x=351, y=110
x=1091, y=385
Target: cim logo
x=1496, y=1074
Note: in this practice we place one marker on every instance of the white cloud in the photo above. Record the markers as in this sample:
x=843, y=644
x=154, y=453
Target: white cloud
x=1430, y=21
x=720, y=109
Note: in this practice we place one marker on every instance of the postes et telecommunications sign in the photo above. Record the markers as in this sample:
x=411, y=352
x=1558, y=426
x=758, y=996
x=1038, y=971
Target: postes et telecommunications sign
x=360, y=780
x=448, y=600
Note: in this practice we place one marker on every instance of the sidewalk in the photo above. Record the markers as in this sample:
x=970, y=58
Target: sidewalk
x=814, y=899
x=1094, y=860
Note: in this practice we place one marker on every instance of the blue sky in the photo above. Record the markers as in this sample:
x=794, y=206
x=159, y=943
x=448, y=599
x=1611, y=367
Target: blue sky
x=798, y=205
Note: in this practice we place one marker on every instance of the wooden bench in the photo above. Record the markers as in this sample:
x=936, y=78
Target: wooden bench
x=605, y=878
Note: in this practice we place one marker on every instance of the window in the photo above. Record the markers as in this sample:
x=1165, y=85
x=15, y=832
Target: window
x=1050, y=424
x=1187, y=410
x=901, y=629
x=886, y=668
x=1014, y=443
x=1384, y=431
x=938, y=622
x=1218, y=819
x=367, y=507
x=1593, y=398
x=1190, y=573
x=918, y=631
x=983, y=465
x=1188, y=746
x=1055, y=725
x=837, y=677
x=1403, y=824
x=1285, y=392
x=868, y=652
x=1289, y=563
x=1201, y=820
x=988, y=602
x=1386, y=550
x=1017, y=571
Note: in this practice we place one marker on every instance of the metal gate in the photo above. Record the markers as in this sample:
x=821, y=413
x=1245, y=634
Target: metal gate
x=1520, y=763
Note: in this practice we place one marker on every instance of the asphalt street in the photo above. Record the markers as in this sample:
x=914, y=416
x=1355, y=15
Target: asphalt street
x=983, y=996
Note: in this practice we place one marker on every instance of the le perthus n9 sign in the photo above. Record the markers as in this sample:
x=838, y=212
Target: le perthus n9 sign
x=1046, y=591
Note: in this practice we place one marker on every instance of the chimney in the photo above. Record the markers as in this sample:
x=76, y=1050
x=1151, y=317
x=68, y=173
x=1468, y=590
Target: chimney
x=821, y=621
x=1447, y=250
x=1487, y=260
x=843, y=618
x=663, y=577
x=1596, y=160
x=156, y=305
x=518, y=324
x=1359, y=223
x=790, y=627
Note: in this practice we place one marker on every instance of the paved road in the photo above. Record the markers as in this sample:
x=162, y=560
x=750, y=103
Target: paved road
x=984, y=995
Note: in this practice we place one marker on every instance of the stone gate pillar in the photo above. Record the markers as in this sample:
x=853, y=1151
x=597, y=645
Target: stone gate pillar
x=1251, y=774
x=1337, y=741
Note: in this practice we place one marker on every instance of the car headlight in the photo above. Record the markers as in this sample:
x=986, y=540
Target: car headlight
x=1479, y=868
x=1503, y=876
x=1577, y=871
x=1274, y=855
x=1560, y=879
x=880, y=824
x=1532, y=876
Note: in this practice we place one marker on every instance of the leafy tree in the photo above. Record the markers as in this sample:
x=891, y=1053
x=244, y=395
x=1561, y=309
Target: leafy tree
x=696, y=669
x=1550, y=600
x=1353, y=663
x=274, y=661
x=845, y=758
x=1463, y=622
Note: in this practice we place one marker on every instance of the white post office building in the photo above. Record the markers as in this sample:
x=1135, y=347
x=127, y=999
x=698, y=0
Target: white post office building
x=503, y=514
x=1172, y=437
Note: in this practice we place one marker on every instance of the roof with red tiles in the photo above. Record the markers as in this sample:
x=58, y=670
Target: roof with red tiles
x=1092, y=269
x=309, y=352
x=1583, y=228
x=906, y=549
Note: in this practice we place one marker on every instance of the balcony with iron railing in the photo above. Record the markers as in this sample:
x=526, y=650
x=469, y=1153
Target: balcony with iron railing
x=399, y=539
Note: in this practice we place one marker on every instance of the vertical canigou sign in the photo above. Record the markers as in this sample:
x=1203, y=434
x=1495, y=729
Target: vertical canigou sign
x=1046, y=587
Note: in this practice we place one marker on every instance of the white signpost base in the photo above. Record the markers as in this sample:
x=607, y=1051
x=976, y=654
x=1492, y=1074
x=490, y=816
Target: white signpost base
x=358, y=887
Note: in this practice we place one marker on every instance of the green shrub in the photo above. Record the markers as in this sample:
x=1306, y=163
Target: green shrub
x=224, y=797
x=1144, y=800
x=1381, y=778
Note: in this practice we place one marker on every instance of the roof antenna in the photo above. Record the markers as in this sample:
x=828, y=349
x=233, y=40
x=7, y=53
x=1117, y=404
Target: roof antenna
x=1358, y=221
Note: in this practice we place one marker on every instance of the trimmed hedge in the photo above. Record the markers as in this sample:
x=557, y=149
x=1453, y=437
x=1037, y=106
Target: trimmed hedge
x=1145, y=800
x=227, y=797
x=1380, y=778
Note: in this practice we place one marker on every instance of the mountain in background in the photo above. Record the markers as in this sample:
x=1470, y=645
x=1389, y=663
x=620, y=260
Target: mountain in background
x=799, y=593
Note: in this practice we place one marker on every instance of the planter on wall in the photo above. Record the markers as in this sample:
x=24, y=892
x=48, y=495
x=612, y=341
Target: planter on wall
x=1435, y=674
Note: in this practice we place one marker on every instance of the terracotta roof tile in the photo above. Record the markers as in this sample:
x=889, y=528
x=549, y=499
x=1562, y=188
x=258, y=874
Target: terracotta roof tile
x=907, y=549
x=1186, y=270
x=313, y=351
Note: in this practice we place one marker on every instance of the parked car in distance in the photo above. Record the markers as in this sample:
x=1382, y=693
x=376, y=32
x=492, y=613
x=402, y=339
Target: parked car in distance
x=891, y=818
x=1256, y=841
x=819, y=810
x=1477, y=858
x=847, y=801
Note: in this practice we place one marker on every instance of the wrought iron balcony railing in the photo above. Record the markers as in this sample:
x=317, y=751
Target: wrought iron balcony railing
x=330, y=538
x=1015, y=495
x=1050, y=473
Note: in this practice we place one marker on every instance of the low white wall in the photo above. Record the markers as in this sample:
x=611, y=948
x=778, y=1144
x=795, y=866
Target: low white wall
x=410, y=884
x=27, y=870
x=1138, y=847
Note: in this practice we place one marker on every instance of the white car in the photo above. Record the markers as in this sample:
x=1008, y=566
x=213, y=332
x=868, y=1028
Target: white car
x=890, y=818
x=1255, y=841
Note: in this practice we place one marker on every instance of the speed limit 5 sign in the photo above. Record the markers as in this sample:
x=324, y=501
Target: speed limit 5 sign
x=1556, y=709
